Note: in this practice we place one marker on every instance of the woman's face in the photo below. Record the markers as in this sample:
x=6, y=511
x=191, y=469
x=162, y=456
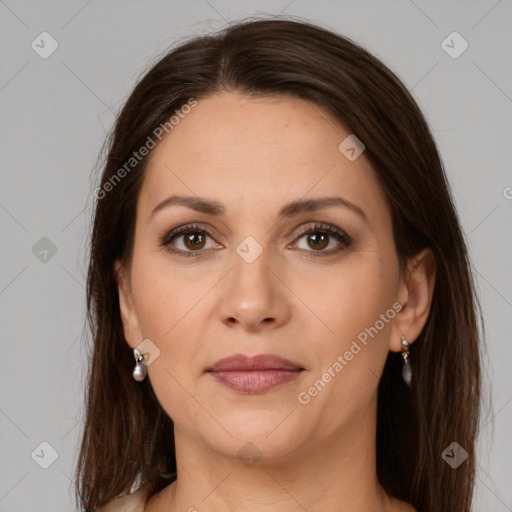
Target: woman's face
x=246, y=280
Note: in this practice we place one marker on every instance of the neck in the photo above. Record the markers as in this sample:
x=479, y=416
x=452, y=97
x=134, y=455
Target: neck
x=336, y=473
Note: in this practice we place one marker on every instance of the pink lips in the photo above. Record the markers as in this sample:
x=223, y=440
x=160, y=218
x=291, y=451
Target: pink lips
x=255, y=374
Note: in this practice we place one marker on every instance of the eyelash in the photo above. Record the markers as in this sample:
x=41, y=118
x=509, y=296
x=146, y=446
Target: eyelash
x=326, y=229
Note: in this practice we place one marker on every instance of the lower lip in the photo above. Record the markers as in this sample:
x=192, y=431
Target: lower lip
x=255, y=381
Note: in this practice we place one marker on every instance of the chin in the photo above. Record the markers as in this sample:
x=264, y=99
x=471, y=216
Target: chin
x=270, y=434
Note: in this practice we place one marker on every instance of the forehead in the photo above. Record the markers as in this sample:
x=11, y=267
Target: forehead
x=261, y=151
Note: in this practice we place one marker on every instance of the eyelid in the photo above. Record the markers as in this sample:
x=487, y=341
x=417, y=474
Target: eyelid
x=321, y=226
x=331, y=230
x=186, y=228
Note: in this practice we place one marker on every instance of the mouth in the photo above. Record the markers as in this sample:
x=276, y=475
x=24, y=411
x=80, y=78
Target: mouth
x=255, y=374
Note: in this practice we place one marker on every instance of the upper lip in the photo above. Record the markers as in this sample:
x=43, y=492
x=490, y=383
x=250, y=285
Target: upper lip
x=240, y=362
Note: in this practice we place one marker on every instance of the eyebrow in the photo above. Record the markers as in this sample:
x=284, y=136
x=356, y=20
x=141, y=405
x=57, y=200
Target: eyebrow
x=213, y=207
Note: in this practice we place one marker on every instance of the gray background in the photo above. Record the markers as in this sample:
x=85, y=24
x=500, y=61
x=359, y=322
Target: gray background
x=55, y=114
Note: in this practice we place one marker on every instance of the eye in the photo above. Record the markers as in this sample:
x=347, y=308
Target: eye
x=319, y=236
x=192, y=238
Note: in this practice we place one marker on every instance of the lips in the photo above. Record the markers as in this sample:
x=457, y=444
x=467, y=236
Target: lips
x=255, y=374
x=243, y=363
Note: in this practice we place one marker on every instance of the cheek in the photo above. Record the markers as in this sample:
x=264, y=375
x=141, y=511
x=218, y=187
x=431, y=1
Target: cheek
x=366, y=312
x=165, y=315
x=347, y=297
x=162, y=297
x=357, y=306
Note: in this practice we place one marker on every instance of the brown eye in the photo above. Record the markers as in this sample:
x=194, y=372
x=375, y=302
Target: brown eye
x=320, y=236
x=189, y=240
x=194, y=240
x=318, y=241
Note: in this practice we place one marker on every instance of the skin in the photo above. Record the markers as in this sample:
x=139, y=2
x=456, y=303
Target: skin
x=255, y=155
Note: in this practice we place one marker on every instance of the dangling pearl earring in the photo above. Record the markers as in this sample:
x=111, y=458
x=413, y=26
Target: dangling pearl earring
x=406, y=369
x=140, y=371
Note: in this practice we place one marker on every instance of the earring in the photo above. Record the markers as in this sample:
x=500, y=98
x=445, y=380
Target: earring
x=406, y=369
x=140, y=371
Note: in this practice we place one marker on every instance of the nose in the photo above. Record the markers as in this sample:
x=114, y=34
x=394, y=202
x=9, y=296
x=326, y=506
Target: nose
x=254, y=297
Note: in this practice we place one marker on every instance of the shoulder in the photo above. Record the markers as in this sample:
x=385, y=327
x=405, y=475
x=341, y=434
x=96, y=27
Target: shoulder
x=129, y=503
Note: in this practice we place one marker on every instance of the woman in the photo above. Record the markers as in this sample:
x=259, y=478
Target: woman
x=279, y=291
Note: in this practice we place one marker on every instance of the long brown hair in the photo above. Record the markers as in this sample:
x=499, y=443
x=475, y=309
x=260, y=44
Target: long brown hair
x=128, y=437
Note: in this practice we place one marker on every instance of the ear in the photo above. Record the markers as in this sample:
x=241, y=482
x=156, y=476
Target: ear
x=131, y=328
x=415, y=295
